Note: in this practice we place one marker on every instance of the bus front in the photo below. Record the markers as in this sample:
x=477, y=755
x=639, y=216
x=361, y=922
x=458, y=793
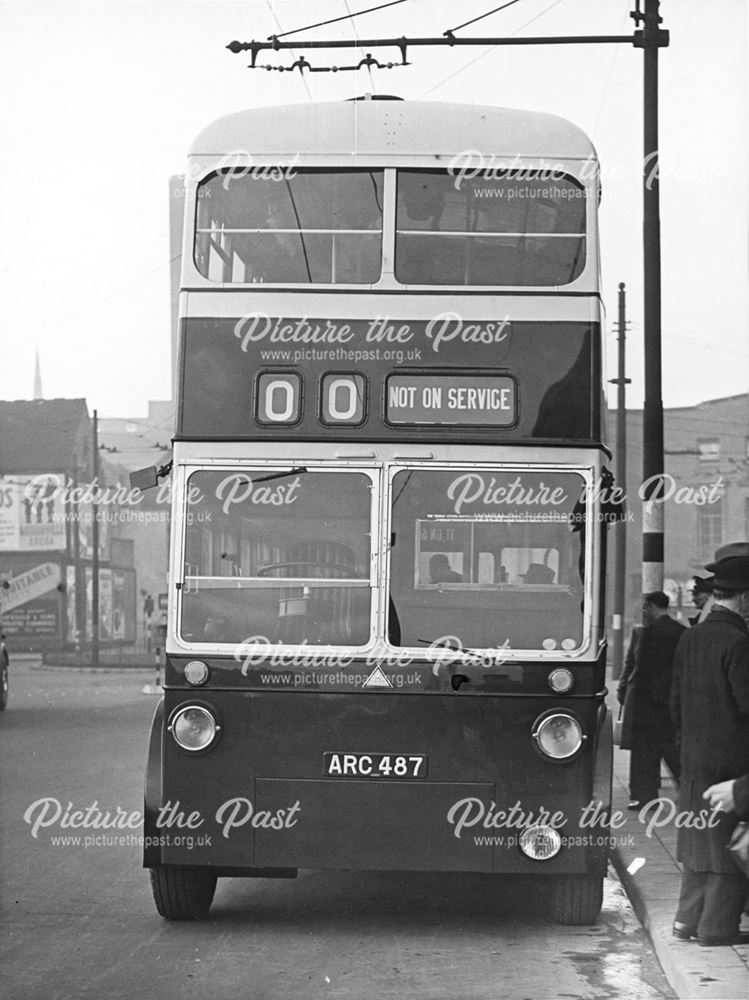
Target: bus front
x=385, y=644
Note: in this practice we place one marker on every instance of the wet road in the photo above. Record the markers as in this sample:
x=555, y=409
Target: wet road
x=78, y=921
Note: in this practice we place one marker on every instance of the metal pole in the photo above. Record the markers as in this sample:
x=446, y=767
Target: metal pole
x=95, y=554
x=652, y=429
x=79, y=572
x=620, y=529
x=621, y=478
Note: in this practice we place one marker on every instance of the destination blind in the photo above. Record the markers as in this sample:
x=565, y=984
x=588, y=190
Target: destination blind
x=451, y=400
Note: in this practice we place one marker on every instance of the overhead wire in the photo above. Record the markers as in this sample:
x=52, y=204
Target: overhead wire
x=487, y=52
x=604, y=93
x=451, y=31
x=356, y=39
x=280, y=27
x=334, y=20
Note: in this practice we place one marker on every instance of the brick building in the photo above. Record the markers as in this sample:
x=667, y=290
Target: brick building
x=46, y=531
x=705, y=490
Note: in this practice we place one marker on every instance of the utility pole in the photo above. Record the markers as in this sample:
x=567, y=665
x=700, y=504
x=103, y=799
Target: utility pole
x=95, y=554
x=652, y=38
x=80, y=575
x=620, y=528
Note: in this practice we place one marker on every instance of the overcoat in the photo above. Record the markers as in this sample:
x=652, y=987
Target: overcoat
x=741, y=797
x=710, y=712
x=646, y=678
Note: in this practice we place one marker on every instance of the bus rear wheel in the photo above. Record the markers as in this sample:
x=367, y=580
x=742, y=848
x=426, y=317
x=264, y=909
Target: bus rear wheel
x=577, y=899
x=182, y=893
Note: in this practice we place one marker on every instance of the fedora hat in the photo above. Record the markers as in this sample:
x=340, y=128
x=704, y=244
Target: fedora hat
x=732, y=550
x=732, y=573
x=702, y=585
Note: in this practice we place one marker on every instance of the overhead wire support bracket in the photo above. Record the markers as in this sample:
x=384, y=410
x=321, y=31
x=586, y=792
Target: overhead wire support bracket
x=303, y=64
x=639, y=39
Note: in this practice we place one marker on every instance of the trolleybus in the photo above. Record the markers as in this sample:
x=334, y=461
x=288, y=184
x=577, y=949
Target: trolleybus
x=385, y=642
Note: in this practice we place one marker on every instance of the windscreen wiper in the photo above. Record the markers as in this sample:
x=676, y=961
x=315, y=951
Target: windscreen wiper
x=281, y=475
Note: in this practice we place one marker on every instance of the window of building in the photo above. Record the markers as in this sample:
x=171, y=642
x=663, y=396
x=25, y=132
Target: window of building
x=709, y=528
x=708, y=449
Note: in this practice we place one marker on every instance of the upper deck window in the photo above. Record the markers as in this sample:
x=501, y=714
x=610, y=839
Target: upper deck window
x=302, y=226
x=519, y=228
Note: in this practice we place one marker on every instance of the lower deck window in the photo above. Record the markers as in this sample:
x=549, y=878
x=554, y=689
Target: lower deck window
x=278, y=556
x=486, y=560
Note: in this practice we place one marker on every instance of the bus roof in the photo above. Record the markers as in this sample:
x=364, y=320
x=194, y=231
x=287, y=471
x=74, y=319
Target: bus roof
x=392, y=127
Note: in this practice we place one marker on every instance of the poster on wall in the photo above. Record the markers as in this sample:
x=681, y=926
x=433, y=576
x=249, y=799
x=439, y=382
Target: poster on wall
x=105, y=604
x=32, y=513
x=86, y=531
x=118, y=605
x=30, y=604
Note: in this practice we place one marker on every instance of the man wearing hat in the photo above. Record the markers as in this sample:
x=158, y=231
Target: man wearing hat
x=644, y=690
x=710, y=711
x=702, y=598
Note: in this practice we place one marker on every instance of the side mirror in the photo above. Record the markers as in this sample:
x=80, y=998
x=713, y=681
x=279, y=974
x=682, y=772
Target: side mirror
x=144, y=479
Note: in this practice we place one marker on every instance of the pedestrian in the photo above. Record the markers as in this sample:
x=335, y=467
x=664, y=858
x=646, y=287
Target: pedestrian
x=701, y=592
x=644, y=690
x=710, y=711
x=731, y=796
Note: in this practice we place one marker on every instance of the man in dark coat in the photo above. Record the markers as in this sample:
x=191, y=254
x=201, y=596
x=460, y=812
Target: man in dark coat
x=702, y=598
x=710, y=710
x=644, y=688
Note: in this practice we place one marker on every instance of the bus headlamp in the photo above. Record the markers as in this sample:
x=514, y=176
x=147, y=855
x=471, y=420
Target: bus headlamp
x=193, y=727
x=558, y=735
x=539, y=843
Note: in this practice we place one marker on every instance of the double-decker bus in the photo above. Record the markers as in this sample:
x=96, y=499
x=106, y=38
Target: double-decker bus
x=385, y=643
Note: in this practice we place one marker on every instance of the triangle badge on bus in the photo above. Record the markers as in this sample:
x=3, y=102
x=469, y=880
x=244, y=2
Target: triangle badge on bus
x=378, y=679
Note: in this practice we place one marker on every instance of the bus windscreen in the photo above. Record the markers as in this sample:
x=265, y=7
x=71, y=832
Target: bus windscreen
x=491, y=559
x=277, y=557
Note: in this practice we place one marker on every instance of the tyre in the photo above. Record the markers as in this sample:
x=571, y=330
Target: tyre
x=4, y=685
x=577, y=899
x=182, y=893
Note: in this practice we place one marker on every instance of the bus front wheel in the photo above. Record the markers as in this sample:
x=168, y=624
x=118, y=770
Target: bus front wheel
x=182, y=893
x=577, y=899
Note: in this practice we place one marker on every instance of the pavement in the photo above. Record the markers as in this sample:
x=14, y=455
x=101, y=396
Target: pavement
x=644, y=857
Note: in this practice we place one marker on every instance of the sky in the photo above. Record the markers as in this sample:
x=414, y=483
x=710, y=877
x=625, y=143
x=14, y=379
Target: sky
x=103, y=98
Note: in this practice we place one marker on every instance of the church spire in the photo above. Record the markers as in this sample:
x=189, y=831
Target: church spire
x=37, y=377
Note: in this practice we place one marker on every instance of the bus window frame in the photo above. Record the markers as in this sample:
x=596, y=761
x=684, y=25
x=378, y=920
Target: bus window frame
x=180, y=576
x=218, y=170
x=583, y=235
x=514, y=654
x=587, y=282
x=381, y=479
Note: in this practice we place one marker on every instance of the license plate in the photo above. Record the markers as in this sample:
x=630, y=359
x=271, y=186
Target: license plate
x=375, y=765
